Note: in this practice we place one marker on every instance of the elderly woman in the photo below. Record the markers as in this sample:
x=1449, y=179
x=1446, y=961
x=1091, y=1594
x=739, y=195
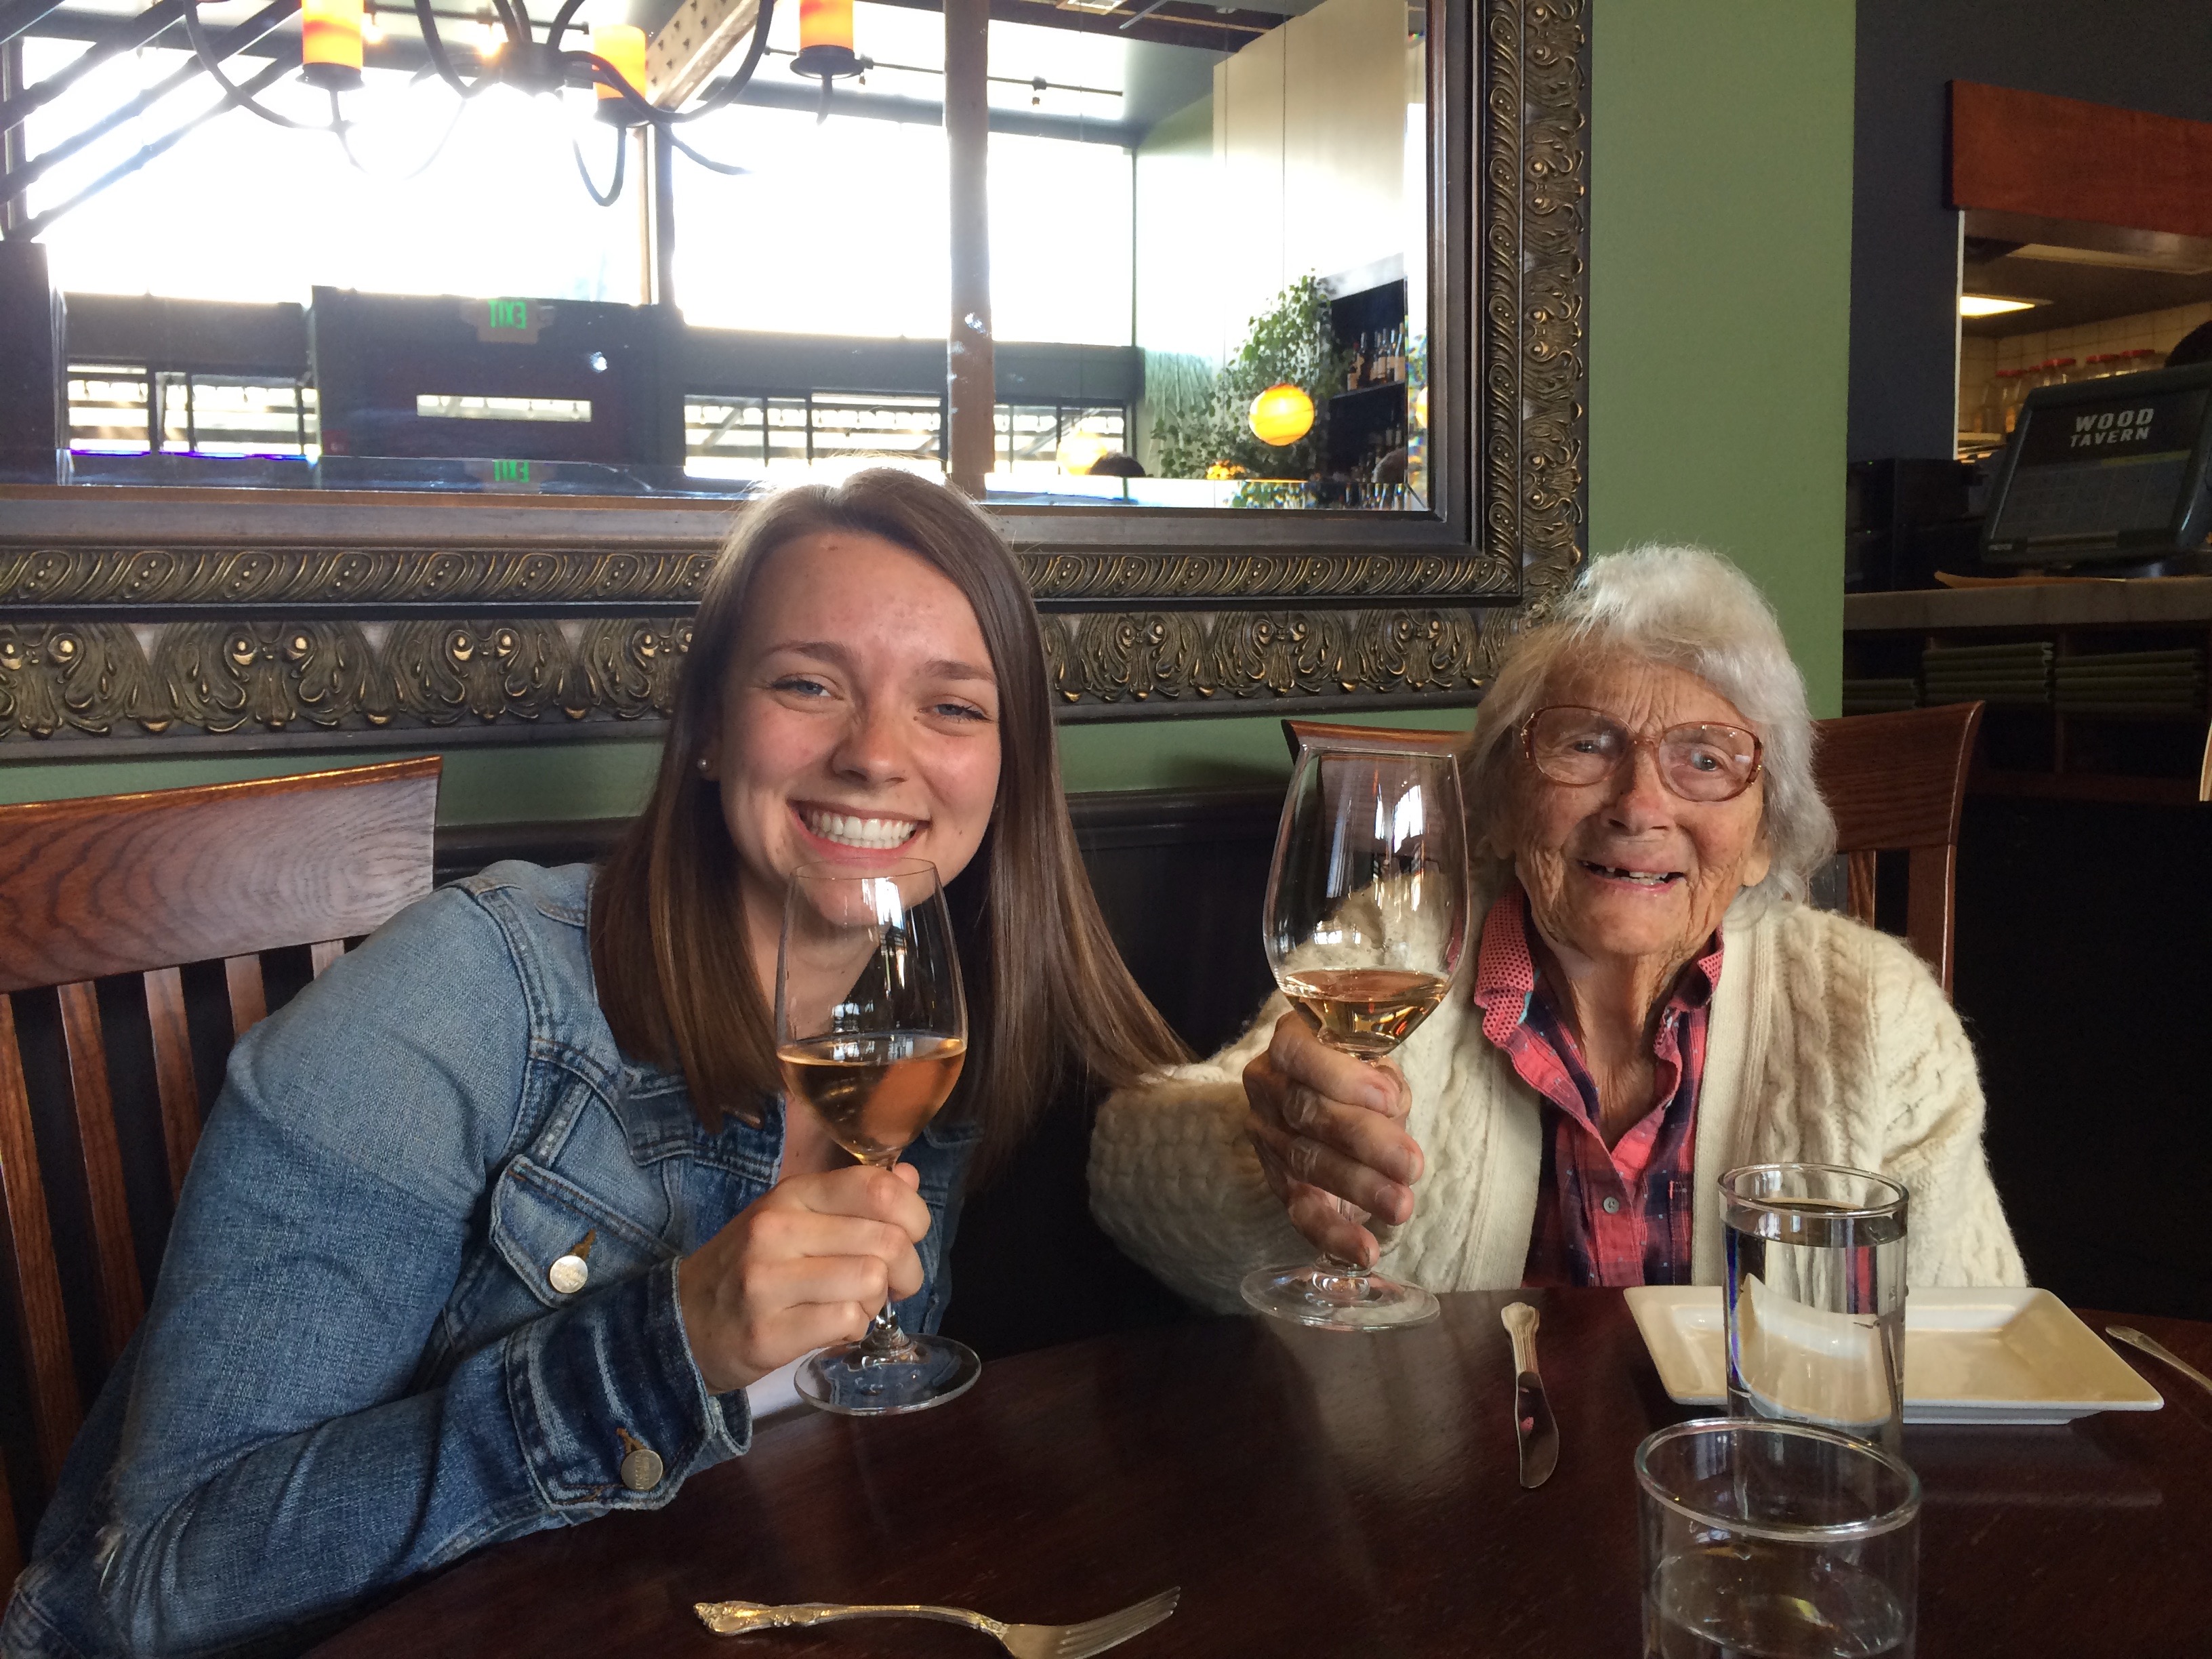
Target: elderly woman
x=1650, y=1003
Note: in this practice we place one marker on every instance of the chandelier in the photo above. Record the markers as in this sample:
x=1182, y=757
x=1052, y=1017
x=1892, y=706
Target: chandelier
x=331, y=33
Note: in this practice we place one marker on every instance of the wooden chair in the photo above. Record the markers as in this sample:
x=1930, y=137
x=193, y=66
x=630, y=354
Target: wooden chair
x=184, y=889
x=1895, y=782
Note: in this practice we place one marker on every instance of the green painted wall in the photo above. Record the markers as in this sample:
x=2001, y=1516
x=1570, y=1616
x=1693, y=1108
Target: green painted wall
x=608, y=779
x=1720, y=293
x=1721, y=180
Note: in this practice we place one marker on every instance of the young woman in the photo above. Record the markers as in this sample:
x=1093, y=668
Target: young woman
x=492, y=1227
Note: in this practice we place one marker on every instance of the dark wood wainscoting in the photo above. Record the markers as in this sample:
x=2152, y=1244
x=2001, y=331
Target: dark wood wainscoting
x=2084, y=969
x=1180, y=875
x=2084, y=957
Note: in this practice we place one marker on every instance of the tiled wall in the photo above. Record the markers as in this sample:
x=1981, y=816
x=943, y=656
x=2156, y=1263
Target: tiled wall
x=1977, y=364
x=1980, y=358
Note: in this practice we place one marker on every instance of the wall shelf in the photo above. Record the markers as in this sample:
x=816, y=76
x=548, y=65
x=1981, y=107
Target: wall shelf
x=2044, y=749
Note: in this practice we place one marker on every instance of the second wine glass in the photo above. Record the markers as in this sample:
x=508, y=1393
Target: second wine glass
x=1367, y=919
x=871, y=1034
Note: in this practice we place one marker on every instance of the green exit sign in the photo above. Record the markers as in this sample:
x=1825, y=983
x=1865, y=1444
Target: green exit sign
x=507, y=321
x=510, y=472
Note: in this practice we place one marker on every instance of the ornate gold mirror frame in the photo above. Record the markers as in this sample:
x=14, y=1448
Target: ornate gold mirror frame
x=178, y=620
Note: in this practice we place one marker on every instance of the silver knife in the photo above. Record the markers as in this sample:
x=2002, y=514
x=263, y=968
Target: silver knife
x=2135, y=1338
x=1532, y=1413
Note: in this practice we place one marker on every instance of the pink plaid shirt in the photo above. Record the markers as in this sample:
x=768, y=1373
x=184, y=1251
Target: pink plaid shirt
x=1603, y=1217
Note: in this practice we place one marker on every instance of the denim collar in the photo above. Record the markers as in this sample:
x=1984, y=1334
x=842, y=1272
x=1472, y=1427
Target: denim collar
x=654, y=1107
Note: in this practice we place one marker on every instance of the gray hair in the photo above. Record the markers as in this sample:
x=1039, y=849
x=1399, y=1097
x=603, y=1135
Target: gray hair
x=1692, y=610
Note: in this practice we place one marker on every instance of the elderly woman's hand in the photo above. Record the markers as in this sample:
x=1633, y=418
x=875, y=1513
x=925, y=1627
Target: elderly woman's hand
x=1328, y=1126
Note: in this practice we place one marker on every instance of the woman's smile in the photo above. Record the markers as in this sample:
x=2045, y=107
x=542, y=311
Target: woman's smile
x=855, y=828
x=1636, y=878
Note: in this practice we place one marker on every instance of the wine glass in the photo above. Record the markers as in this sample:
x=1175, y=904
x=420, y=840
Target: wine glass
x=1367, y=919
x=871, y=1032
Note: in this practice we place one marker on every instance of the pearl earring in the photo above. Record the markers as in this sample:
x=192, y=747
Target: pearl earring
x=703, y=765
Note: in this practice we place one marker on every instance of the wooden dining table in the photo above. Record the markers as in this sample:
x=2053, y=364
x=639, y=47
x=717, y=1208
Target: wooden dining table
x=1318, y=1494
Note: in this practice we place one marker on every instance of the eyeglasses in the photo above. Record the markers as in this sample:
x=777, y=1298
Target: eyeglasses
x=1697, y=760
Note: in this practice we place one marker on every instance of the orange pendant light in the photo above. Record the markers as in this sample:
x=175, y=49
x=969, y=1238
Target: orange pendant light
x=1282, y=415
x=623, y=45
x=329, y=43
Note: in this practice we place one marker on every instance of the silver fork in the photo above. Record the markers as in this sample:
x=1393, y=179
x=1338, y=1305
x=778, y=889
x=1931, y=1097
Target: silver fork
x=1023, y=1641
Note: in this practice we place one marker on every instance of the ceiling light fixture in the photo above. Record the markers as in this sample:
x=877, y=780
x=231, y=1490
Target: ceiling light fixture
x=509, y=52
x=1992, y=305
x=1282, y=415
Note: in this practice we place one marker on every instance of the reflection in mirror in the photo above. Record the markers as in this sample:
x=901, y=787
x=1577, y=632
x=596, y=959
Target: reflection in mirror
x=1208, y=254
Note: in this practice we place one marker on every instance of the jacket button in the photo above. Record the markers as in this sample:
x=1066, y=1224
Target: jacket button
x=1612, y=1207
x=568, y=1274
x=641, y=1470
x=572, y=1270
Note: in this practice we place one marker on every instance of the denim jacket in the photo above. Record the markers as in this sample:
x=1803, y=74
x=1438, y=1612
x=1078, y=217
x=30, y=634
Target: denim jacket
x=356, y=1366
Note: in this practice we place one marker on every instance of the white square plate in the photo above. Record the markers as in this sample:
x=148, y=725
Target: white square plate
x=1994, y=1356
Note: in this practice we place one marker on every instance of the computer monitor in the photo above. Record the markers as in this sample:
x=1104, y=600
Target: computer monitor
x=2108, y=472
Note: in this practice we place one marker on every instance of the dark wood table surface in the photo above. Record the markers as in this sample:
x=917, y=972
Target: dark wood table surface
x=1320, y=1494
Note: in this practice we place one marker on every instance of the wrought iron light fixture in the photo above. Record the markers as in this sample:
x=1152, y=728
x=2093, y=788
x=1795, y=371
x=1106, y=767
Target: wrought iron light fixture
x=331, y=33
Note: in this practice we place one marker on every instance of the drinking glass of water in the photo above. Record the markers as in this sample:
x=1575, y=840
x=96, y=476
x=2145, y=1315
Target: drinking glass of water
x=1775, y=1539
x=1816, y=1297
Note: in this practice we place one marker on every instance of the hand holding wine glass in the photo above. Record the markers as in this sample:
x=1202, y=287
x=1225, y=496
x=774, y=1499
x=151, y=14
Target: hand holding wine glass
x=872, y=1032
x=1366, y=918
x=808, y=1263
x=1332, y=1132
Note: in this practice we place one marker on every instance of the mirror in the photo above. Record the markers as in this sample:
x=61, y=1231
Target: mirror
x=1184, y=217
x=1209, y=253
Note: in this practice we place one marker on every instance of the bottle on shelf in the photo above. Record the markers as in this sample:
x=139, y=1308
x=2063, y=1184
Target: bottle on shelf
x=1996, y=402
x=2063, y=372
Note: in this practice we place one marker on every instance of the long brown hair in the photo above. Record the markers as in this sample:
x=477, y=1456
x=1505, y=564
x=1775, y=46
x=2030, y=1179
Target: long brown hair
x=1047, y=988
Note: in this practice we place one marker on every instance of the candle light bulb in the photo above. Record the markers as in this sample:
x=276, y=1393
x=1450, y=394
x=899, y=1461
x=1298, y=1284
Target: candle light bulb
x=329, y=43
x=623, y=45
x=825, y=39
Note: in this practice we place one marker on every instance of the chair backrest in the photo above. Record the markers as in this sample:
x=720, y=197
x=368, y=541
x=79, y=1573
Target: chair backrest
x=1895, y=782
x=1392, y=739
x=182, y=888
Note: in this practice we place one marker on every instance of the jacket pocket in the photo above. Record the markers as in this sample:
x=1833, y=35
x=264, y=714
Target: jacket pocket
x=562, y=1242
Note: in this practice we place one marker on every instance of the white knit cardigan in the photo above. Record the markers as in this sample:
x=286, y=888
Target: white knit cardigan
x=1828, y=1042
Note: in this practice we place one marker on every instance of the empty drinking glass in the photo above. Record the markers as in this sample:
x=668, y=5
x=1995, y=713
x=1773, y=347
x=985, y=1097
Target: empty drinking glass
x=1777, y=1539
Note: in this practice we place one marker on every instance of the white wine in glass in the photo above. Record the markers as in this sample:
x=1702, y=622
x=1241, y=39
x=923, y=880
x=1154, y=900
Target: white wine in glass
x=1367, y=919
x=871, y=1034
x=873, y=1094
